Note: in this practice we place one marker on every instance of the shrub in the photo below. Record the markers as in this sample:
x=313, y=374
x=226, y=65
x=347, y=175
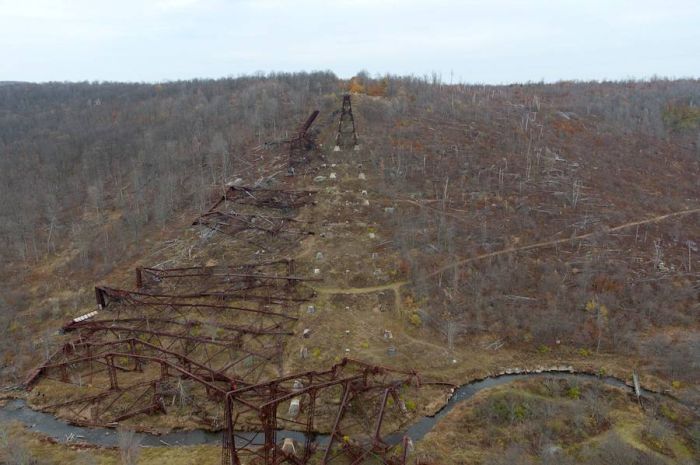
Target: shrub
x=415, y=320
x=668, y=413
x=681, y=117
x=656, y=434
x=411, y=405
x=574, y=392
x=519, y=412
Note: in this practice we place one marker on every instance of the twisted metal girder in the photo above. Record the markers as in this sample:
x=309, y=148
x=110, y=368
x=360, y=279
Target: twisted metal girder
x=352, y=394
x=117, y=402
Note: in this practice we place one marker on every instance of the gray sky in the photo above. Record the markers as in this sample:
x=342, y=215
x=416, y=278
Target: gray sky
x=497, y=41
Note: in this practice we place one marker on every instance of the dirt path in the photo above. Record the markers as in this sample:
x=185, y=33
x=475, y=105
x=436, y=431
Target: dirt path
x=540, y=245
x=396, y=287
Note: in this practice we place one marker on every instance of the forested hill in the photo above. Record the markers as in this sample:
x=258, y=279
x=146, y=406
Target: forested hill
x=77, y=152
x=90, y=171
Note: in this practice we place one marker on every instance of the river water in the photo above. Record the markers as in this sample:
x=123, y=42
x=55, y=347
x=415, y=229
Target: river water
x=48, y=425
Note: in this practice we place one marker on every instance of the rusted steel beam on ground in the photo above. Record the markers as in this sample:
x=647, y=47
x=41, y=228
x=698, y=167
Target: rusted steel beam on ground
x=272, y=282
x=103, y=403
x=270, y=331
x=223, y=295
x=284, y=267
x=230, y=268
x=229, y=353
x=107, y=347
x=276, y=199
x=233, y=224
x=271, y=198
x=171, y=300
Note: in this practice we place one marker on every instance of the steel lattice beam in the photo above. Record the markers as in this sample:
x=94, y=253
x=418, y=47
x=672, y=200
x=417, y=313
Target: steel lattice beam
x=362, y=393
x=117, y=402
x=347, y=134
x=300, y=145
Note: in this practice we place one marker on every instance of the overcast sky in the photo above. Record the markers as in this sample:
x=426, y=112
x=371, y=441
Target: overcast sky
x=495, y=41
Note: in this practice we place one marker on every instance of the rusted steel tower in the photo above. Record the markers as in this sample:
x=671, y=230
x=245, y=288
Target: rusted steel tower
x=347, y=134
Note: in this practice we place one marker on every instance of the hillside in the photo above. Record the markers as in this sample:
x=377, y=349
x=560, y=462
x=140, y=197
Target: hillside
x=474, y=230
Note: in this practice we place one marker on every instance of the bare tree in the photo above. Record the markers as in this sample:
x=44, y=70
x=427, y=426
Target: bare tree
x=129, y=446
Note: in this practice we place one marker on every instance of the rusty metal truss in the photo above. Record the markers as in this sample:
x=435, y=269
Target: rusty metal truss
x=202, y=303
x=215, y=327
x=261, y=282
x=234, y=223
x=234, y=352
x=205, y=276
x=260, y=212
x=355, y=402
x=213, y=361
x=277, y=199
x=207, y=328
x=100, y=398
x=259, y=332
x=347, y=134
x=302, y=143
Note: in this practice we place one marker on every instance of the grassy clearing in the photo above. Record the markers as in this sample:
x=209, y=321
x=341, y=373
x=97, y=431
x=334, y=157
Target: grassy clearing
x=558, y=420
x=17, y=444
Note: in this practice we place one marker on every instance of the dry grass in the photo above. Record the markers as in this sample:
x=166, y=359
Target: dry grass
x=468, y=434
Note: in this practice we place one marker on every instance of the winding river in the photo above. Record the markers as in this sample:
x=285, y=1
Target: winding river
x=48, y=425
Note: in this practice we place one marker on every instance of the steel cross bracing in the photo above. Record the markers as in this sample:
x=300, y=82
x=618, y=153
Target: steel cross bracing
x=153, y=372
x=352, y=400
x=278, y=199
x=232, y=223
x=347, y=134
x=185, y=334
x=267, y=282
x=239, y=356
x=146, y=329
x=275, y=268
x=259, y=211
x=261, y=293
x=261, y=327
x=204, y=277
